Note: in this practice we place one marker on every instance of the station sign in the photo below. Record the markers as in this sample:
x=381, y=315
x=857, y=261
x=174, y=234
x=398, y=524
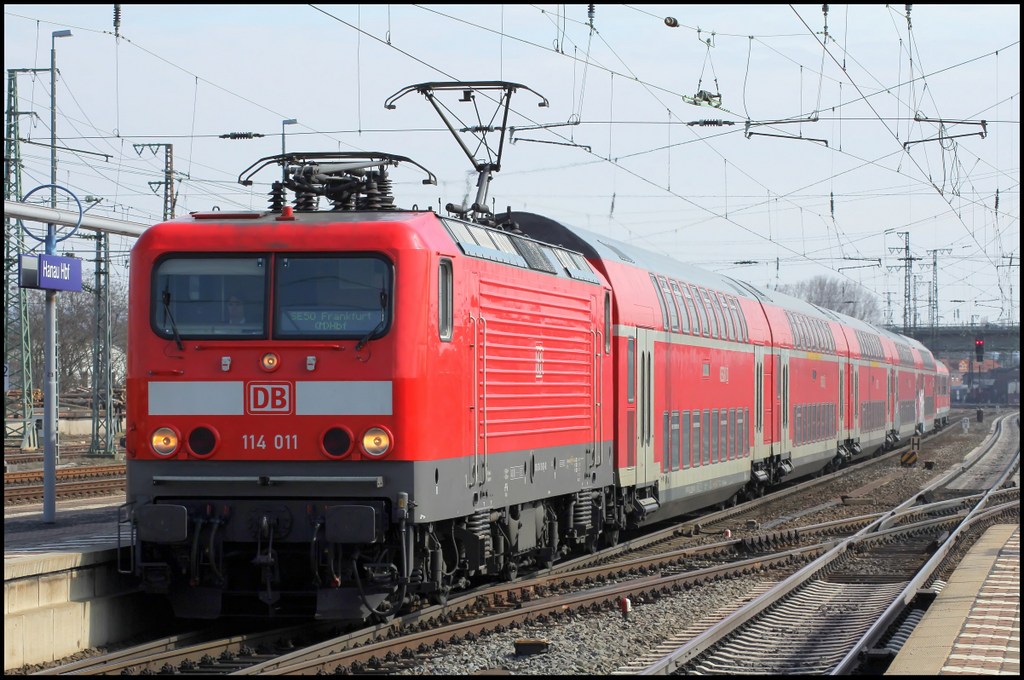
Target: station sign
x=50, y=272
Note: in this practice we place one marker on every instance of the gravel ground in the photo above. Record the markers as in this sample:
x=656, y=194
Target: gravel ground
x=589, y=644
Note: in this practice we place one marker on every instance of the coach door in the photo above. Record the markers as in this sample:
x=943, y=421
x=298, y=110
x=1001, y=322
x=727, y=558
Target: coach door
x=762, y=406
x=646, y=471
x=784, y=399
x=894, y=399
x=845, y=422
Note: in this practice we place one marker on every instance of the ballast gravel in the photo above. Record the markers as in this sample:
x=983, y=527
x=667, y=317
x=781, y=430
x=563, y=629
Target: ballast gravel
x=589, y=644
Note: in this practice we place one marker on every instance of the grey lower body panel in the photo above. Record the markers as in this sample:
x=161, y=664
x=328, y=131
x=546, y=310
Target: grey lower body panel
x=437, y=490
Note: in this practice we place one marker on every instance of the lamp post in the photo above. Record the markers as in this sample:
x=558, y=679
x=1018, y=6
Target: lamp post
x=50, y=315
x=284, y=165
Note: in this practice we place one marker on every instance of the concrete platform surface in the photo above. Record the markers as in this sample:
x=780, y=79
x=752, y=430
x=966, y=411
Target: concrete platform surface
x=973, y=627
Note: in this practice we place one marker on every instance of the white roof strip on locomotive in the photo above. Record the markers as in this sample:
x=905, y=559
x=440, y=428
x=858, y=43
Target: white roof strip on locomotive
x=196, y=398
x=312, y=398
x=348, y=397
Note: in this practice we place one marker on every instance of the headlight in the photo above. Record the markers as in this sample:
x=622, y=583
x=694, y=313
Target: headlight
x=164, y=441
x=376, y=442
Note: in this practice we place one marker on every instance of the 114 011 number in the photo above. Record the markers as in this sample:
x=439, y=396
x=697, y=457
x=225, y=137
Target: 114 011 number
x=279, y=442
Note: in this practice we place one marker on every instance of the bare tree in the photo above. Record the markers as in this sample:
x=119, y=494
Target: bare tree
x=838, y=295
x=76, y=329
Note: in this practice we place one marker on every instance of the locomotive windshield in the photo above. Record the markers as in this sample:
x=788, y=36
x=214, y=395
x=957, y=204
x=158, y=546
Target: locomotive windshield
x=199, y=297
x=315, y=296
x=342, y=296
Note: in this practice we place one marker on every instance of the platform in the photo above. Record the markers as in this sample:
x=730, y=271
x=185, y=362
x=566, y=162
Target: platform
x=62, y=590
x=973, y=626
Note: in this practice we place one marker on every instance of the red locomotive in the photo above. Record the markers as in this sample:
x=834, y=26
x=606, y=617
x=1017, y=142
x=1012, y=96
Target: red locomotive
x=336, y=412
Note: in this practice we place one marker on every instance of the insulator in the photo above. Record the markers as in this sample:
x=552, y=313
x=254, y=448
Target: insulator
x=340, y=202
x=372, y=196
x=387, y=199
x=277, y=197
x=590, y=13
x=305, y=200
x=117, y=21
x=240, y=135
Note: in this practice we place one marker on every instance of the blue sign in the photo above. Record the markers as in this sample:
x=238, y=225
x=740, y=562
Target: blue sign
x=60, y=273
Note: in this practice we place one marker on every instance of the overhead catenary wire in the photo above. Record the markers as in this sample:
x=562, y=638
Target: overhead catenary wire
x=733, y=209
x=619, y=166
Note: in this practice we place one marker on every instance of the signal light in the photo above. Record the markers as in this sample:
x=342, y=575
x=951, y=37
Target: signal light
x=269, y=362
x=979, y=349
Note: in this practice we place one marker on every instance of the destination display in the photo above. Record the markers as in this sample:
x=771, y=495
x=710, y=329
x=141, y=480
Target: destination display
x=330, y=320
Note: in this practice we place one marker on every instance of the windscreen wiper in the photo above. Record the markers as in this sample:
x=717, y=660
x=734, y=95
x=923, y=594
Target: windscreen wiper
x=380, y=326
x=166, y=299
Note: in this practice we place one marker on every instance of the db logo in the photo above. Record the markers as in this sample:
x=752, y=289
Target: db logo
x=268, y=397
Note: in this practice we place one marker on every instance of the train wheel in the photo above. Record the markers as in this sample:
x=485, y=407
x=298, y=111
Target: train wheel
x=611, y=537
x=590, y=546
x=511, y=570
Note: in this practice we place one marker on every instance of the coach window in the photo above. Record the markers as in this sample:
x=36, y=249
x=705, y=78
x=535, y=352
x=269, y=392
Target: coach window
x=673, y=441
x=741, y=322
x=670, y=303
x=694, y=316
x=712, y=317
x=666, y=438
x=685, y=430
x=631, y=370
x=209, y=297
x=661, y=301
x=742, y=418
x=722, y=331
x=684, y=322
x=696, y=439
x=332, y=297
x=702, y=312
x=730, y=333
x=705, y=443
x=714, y=435
x=710, y=325
x=444, y=300
x=723, y=436
x=607, y=322
x=732, y=434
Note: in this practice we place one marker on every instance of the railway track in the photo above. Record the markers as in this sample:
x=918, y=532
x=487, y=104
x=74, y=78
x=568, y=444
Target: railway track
x=64, y=474
x=15, y=458
x=821, y=619
x=644, y=570
x=29, y=493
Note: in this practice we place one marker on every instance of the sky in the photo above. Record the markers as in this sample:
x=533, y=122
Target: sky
x=837, y=140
